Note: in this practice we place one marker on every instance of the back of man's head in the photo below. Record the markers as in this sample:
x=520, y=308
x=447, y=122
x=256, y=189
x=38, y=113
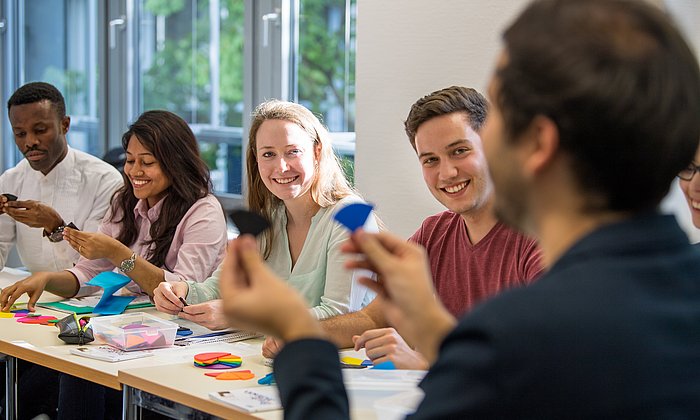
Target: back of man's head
x=36, y=92
x=620, y=83
x=446, y=101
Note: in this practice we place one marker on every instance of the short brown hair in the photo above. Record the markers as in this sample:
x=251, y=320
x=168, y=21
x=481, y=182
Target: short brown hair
x=621, y=84
x=446, y=101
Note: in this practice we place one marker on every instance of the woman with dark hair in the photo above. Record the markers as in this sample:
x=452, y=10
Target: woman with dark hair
x=163, y=225
x=156, y=229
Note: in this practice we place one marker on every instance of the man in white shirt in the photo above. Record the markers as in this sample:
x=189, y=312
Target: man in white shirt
x=54, y=185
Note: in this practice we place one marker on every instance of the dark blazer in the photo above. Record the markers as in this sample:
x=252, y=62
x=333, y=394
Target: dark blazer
x=611, y=331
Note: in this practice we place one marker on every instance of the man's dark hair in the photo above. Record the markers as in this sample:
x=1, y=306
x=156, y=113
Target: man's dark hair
x=36, y=92
x=175, y=147
x=446, y=101
x=620, y=83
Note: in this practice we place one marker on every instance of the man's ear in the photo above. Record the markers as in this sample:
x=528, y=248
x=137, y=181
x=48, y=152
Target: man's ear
x=543, y=144
x=65, y=124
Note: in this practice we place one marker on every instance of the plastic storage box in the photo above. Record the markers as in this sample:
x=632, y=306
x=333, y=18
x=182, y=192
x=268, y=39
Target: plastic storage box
x=133, y=331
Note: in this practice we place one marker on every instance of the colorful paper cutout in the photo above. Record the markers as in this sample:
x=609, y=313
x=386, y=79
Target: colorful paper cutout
x=40, y=320
x=233, y=375
x=248, y=222
x=217, y=360
x=388, y=365
x=353, y=216
x=351, y=360
x=7, y=315
x=111, y=282
x=268, y=379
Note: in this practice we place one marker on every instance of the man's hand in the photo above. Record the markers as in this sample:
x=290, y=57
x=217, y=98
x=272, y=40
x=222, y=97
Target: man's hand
x=385, y=344
x=255, y=299
x=93, y=245
x=33, y=214
x=271, y=347
x=167, y=297
x=405, y=283
x=33, y=286
x=208, y=314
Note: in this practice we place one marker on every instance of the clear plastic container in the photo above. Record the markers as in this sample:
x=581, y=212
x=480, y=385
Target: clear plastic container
x=133, y=331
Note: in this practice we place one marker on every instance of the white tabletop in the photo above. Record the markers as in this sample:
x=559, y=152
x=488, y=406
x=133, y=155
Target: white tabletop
x=169, y=373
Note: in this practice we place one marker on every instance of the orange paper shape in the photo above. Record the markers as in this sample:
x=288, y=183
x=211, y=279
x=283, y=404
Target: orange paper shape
x=233, y=375
x=205, y=357
x=133, y=341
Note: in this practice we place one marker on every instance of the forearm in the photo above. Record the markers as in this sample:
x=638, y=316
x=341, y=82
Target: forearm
x=63, y=283
x=434, y=327
x=145, y=274
x=340, y=329
x=310, y=381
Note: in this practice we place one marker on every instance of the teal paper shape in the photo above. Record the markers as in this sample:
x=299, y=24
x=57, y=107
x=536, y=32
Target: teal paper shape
x=111, y=282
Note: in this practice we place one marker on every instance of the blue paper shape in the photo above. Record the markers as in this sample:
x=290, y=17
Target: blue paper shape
x=388, y=365
x=111, y=282
x=353, y=216
x=268, y=379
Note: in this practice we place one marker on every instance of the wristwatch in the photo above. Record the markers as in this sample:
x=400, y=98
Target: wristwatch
x=56, y=235
x=128, y=264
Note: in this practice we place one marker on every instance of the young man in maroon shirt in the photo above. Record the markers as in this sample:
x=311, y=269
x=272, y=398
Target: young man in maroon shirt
x=472, y=255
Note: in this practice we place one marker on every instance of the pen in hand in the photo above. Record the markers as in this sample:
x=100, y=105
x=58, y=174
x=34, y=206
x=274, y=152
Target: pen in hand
x=184, y=303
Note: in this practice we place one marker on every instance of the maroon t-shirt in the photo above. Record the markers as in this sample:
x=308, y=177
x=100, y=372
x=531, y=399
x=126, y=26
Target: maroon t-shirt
x=466, y=274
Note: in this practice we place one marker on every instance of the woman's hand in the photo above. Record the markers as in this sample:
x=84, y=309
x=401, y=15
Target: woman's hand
x=92, y=245
x=167, y=297
x=208, y=314
x=33, y=286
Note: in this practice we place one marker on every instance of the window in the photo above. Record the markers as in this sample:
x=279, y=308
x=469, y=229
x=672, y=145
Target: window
x=56, y=42
x=326, y=69
x=191, y=63
x=209, y=61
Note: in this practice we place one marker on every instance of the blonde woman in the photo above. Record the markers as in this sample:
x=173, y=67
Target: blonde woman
x=295, y=181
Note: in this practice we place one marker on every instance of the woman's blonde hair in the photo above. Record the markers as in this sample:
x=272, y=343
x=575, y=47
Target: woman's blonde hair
x=328, y=185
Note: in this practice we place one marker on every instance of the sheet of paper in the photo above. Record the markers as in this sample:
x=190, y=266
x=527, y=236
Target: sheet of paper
x=111, y=282
x=368, y=379
x=252, y=400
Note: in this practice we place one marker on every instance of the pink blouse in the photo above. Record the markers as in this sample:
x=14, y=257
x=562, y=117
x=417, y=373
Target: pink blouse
x=197, y=248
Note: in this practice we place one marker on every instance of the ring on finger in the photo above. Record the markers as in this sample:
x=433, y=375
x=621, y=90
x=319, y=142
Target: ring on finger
x=80, y=249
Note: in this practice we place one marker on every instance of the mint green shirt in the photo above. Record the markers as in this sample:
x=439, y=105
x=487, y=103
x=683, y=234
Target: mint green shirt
x=319, y=274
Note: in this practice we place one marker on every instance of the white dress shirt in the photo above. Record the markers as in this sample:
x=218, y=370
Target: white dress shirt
x=78, y=188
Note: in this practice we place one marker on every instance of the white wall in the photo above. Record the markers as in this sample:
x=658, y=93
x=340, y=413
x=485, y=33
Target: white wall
x=408, y=48
x=405, y=50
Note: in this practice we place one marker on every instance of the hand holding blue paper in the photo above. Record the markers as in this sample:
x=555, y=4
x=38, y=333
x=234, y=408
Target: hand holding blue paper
x=111, y=282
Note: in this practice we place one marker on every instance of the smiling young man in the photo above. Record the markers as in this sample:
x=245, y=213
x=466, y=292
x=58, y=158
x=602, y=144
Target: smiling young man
x=55, y=185
x=472, y=255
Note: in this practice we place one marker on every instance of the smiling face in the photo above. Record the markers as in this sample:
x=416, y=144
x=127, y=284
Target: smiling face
x=691, y=190
x=454, y=168
x=40, y=134
x=286, y=159
x=145, y=174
